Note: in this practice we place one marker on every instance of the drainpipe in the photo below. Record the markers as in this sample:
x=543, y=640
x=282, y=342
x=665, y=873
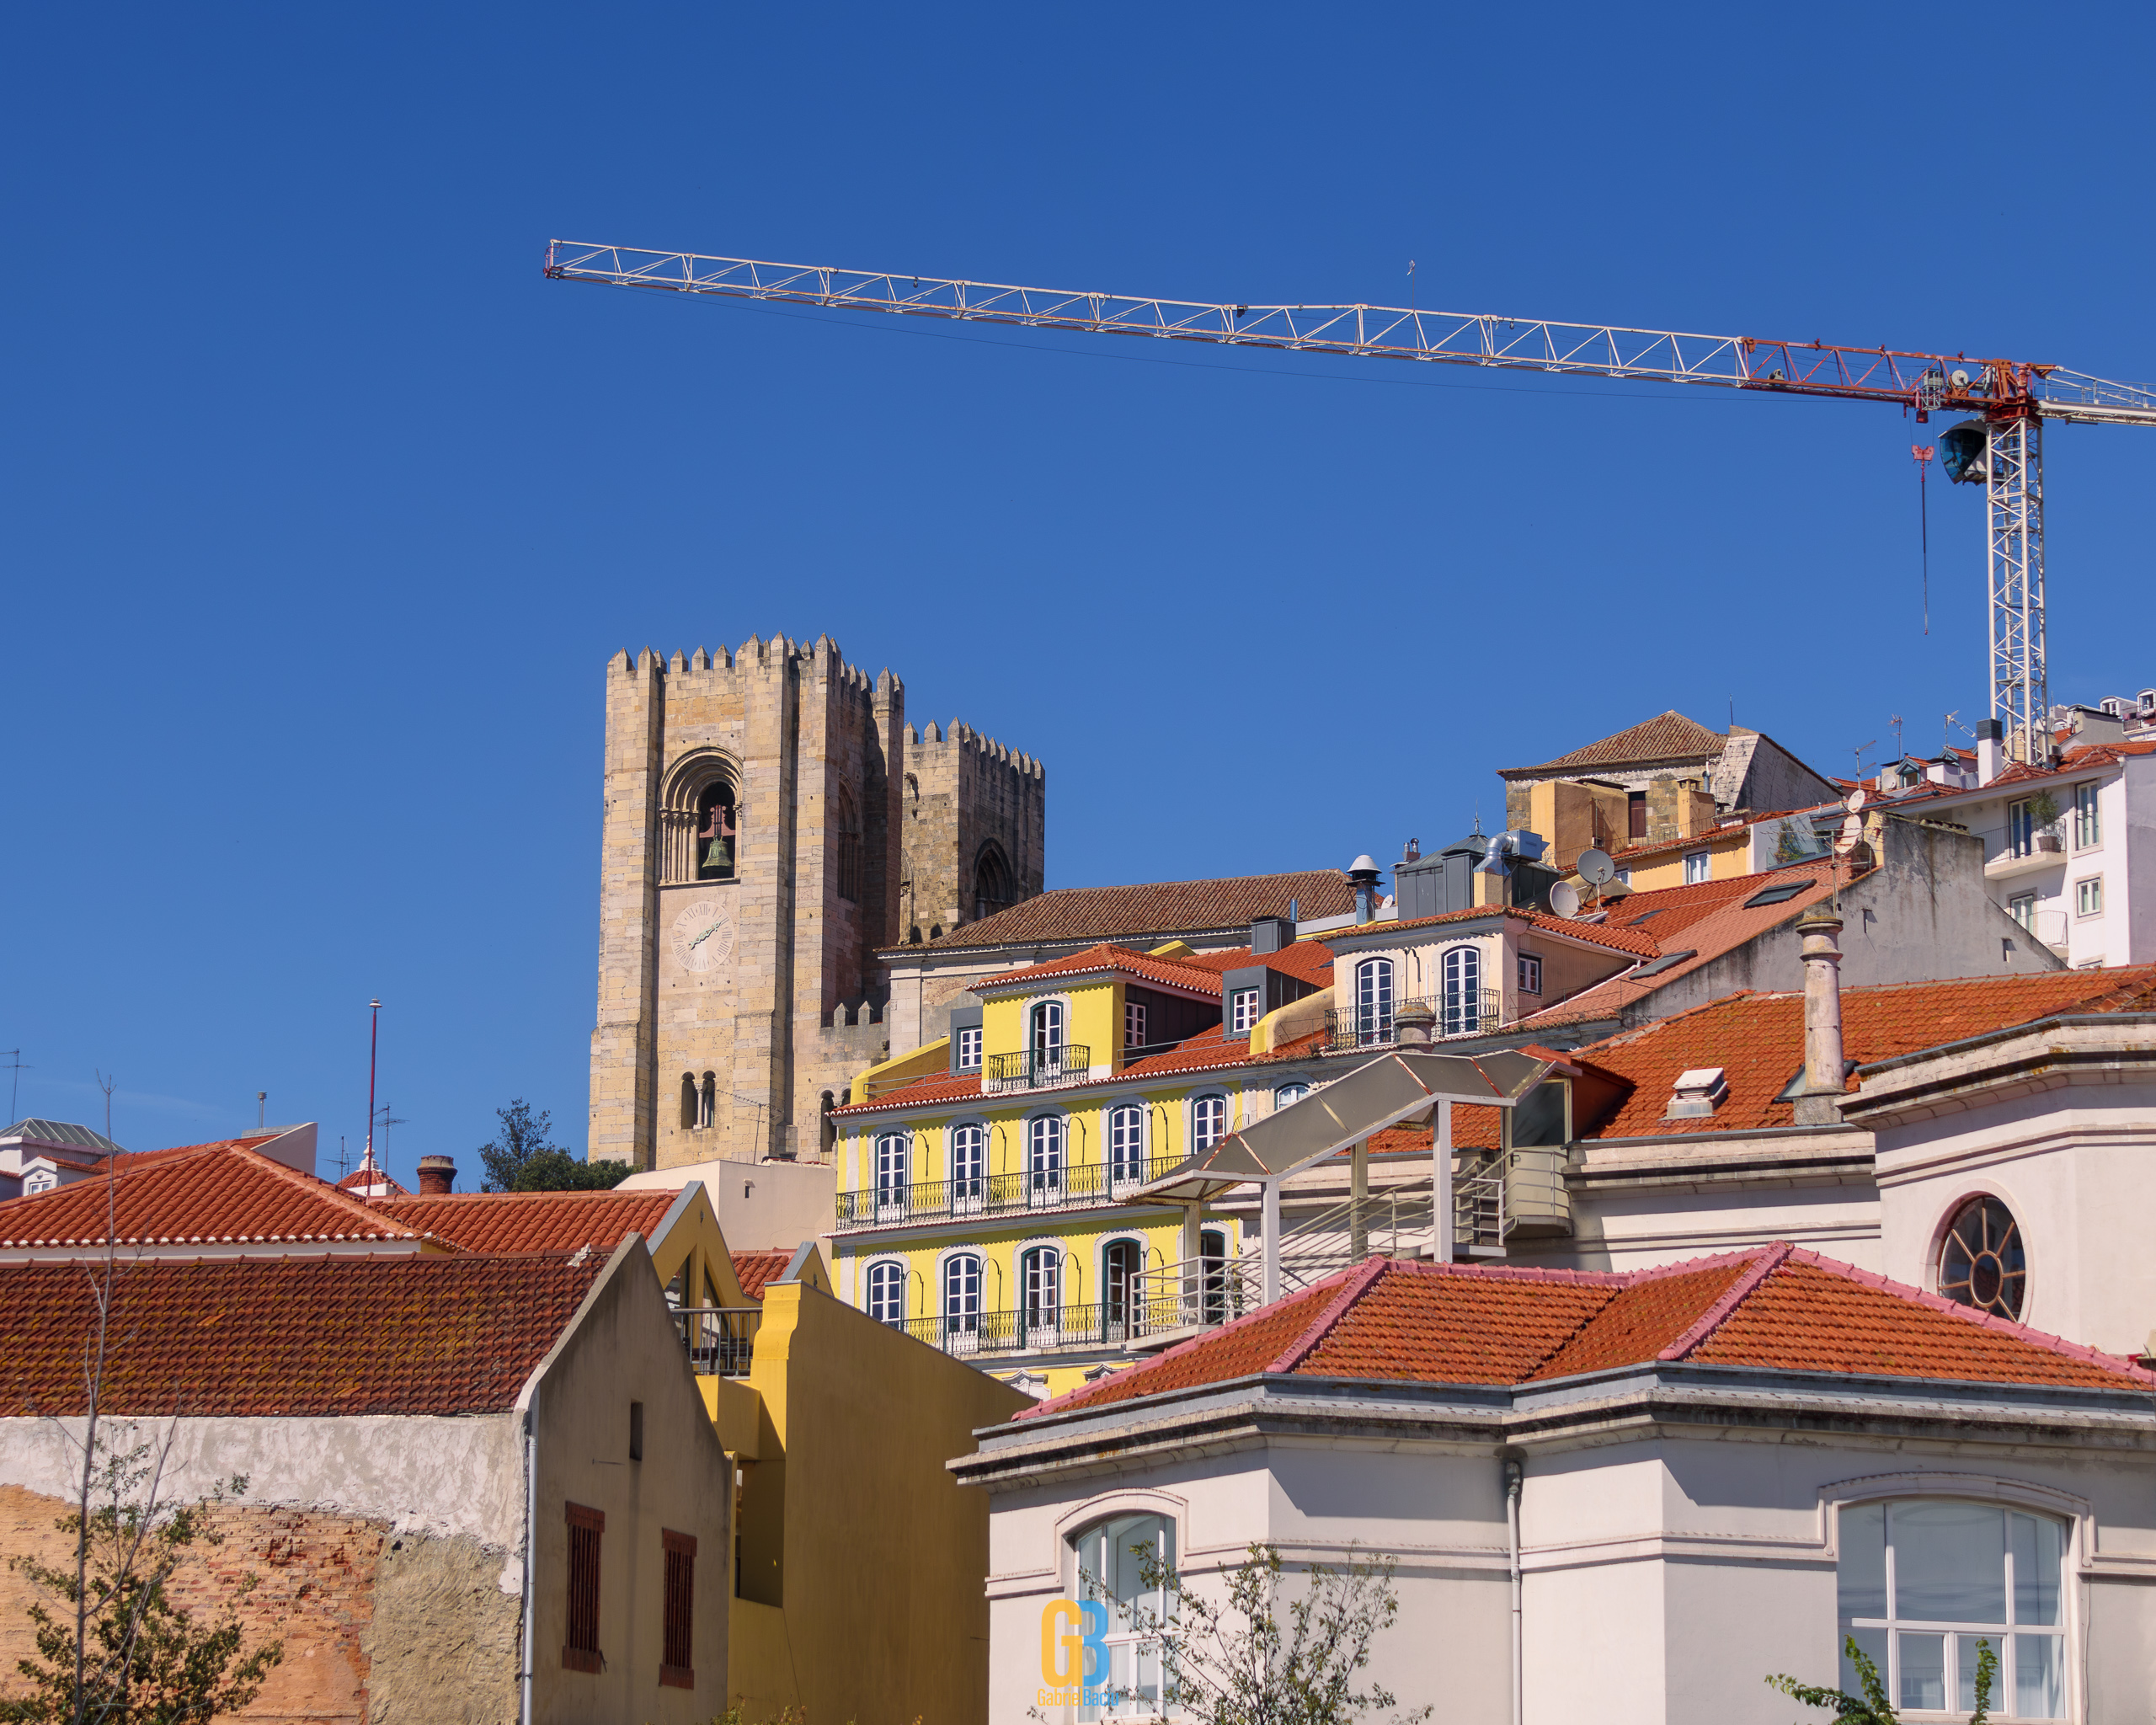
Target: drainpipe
x=1512, y=1530
x=530, y=1547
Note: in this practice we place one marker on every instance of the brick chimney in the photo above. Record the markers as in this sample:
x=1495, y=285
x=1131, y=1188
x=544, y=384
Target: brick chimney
x=1818, y=1100
x=437, y=1176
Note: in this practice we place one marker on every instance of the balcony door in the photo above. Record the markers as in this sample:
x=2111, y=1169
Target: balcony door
x=1048, y=1039
x=962, y=1302
x=1374, y=1002
x=1461, y=1010
x=1121, y=1265
x=1040, y=1282
x=1126, y=1146
x=1044, y=1161
x=969, y=1170
x=892, y=1190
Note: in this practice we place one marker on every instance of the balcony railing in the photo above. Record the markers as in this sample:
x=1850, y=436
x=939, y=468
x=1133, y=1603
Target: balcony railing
x=1104, y=1324
x=1476, y=1012
x=1038, y=1068
x=719, y=1340
x=1081, y=1186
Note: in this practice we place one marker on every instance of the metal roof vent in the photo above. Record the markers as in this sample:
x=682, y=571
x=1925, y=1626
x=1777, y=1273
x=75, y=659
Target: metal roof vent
x=1698, y=1093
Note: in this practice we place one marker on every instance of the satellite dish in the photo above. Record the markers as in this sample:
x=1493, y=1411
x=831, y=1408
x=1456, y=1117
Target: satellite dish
x=1595, y=867
x=1565, y=899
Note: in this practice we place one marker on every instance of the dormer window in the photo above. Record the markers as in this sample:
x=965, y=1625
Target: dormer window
x=1133, y=1024
x=970, y=1048
x=1243, y=1011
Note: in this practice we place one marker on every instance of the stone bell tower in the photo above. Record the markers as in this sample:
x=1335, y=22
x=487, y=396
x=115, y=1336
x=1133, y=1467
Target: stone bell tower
x=753, y=859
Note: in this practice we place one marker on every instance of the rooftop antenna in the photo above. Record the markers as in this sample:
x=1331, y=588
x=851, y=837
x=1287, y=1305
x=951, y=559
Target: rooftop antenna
x=343, y=1161
x=14, y=1089
x=1859, y=752
x=374, y=1041
x=261, y=1107
x=1901, y=749
x=388, y=1120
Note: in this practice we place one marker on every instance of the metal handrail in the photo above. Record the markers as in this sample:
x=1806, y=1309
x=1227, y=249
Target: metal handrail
x=1067, y=1186
x=719, y=1340
x=1473, y=1013
x=1047, y=1329
x=1037, y=1069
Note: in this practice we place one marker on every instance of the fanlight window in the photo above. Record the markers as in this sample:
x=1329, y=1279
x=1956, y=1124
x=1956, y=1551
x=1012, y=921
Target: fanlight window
x=1981, y=1263
x=1922, y=1582
x=1373, y=1000
x=1121, y=1563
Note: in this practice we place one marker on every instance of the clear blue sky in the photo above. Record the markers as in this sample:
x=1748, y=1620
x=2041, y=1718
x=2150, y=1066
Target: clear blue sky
x=322, y=510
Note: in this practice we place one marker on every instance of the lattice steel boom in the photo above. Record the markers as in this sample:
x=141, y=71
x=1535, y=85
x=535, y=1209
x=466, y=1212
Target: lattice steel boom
x=2013, y=397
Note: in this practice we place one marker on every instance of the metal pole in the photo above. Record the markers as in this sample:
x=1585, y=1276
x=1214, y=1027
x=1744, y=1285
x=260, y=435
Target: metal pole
x=1511, y=1531
x=1442, y=1224
x=374, y=1041
x=1359, y=1200
x=1270, y=1291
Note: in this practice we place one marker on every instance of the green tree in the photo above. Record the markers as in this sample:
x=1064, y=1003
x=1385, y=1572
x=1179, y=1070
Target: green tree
x=1236, y=1662
x=1873, y=1708
x=120, y=1652
x=519, y=1159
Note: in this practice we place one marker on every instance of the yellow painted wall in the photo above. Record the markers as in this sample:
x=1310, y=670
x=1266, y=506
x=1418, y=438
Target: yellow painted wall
x=880, y=1616
x=1727, y=857
x=923, y=1062
x=1093, y=1019
x=695, y=1240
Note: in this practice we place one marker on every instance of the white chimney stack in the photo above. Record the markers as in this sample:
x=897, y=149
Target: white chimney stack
x=1991, y=751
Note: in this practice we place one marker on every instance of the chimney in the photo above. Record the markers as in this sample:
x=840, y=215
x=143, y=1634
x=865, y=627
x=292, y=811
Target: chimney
x=1818, y=1100
x=1413, y=1025
x=1363, y=876
x=1991, y=749
x=1271, y=934
x=437, y=1176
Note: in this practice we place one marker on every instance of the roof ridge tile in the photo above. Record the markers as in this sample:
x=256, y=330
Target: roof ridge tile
x=1357, y=1283
x=1732, y=1296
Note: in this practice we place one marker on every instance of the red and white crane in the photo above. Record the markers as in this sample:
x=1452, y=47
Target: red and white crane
x=2000, y=445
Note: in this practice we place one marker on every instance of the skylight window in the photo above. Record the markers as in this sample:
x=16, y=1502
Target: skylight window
x=1666, y=962
x=1776, y=894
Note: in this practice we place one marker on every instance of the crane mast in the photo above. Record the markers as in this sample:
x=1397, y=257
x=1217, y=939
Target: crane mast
x=2012, y=399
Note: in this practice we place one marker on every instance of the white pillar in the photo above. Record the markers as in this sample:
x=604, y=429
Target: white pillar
x=1441, y=1243
x=1270, y=1290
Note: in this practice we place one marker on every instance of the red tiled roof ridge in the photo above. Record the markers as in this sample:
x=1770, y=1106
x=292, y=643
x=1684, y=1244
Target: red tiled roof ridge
x=1107, y=955
x=1764, y=1265
x=1968, y=1314
x=1356, y=1283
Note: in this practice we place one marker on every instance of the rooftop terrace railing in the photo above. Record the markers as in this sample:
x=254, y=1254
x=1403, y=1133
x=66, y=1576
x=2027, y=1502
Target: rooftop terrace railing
x=1474, y=1012
x=719, y=1340
x=1038, y=1068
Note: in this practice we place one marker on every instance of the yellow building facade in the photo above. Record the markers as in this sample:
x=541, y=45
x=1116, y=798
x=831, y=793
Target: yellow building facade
x=991, y=1195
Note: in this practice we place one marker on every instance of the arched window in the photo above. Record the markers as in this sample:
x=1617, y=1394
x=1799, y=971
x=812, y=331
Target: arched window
x=708, y=1101
x=1374, y=1002
x=894, y=1191
x=1121, y=1263
x=1287, y=1095
x=849, y=845
x=887, y=1293
x=992, y=888
x=1208, y=1122
x=1460, y=1010
x=1040, y=1291
x=1126, y=1145
x=1045, y=1159
x=715, y=834
x=1981, y=1262
x=961, y=1299
x=1124, y=1563
x=1047, y=1039
x=1213, y=1255
x=969, y=1168
x=688, y=1102
x=1965, y=1572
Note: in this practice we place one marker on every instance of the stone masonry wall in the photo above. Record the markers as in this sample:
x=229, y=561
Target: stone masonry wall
x=966, y=793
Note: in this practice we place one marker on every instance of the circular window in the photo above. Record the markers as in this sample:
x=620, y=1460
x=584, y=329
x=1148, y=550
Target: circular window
x=1980, y=1261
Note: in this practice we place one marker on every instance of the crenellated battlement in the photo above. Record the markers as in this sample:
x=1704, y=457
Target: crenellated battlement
x=820, y=660
x=962, y=738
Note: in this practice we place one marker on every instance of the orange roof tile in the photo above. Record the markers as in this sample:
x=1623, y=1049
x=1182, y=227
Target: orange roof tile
x=754, y=1270
x=293, y=1336
x=1307, y=960
x=1156, y=910
x=214, y=1194
x=1105, y=959
x=1758, y=1040
x=1670, y=736
x=1613, y=933
x=533, y=1221
x=1387, y=1320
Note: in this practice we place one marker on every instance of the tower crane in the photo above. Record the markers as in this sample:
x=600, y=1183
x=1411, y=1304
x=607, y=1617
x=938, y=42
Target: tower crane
x=1999, y=446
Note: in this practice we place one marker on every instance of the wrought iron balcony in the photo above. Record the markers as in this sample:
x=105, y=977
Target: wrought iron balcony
x=719, y=1340
x=894, y=1204
x=1054, y=1329
x=1473, y=1013
x=1038, y=1068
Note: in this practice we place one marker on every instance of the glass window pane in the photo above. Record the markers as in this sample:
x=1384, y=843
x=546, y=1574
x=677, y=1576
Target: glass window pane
x=1950, y=1563
x=2038, y=1545
x=2039, y=1676
x=1872, y=1642
x=1864, y=1561
x=1924, y=1671
x=1965, y=1676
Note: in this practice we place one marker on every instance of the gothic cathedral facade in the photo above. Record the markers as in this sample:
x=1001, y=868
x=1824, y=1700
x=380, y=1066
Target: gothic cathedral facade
x=771, y=821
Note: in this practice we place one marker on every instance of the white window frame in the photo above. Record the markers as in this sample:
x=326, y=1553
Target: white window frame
x=969, y=1188
x=968, y=1048
x=1374, y=998
x=2088, y=896
x=960, y=1307
x=1530, y=973
x=1698, y=866
x=1211, y=1102
x=2088, y=815
x=879, y=1284
x=2003, y=1634
x=2021, y=828
x=1134, y=1024
x=1040, y=1264
x=2022, y=908
x=1282, y=1099
x=1128, y=1323
x=1243, y=1011
x=1459, y=1003
x=1047, y=1024
x=1048, y=1158
x=894, y=1170
x=1127, y=1143
x=1124, y=1641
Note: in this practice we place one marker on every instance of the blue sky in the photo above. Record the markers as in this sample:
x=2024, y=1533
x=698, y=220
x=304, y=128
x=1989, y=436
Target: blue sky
x=322, y=510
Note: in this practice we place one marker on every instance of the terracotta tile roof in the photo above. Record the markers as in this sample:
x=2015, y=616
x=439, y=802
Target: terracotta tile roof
x=1613, y=933
x=937, y=1086
x=1307, y=961
x=754, y=1269
x=1670, y=736
x=1391, y=1320
x=295, y=1337
x=1758, y=1040
x=1705, y=920
x=1154, y=911
x=372, y=1182
x=214, y=1194
x=534, y=1221
x=1108, y=960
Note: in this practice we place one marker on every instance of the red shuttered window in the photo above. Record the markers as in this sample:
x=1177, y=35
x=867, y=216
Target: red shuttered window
x=580, y=1642
x=676, y=1666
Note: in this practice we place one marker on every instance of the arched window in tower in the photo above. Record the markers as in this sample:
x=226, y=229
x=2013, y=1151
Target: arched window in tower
x=688, y=1102
x=849, y=845
x=708, y=1101
x=992, y=888
x=715, y=832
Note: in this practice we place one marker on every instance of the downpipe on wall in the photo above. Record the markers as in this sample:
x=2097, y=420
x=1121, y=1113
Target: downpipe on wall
x=530, y=1543
x=1513, y=1474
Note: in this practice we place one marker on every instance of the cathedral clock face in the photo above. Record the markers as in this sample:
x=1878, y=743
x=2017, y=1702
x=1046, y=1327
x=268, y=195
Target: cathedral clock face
x=703, y=935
